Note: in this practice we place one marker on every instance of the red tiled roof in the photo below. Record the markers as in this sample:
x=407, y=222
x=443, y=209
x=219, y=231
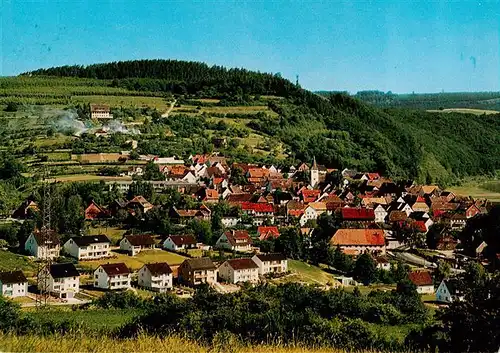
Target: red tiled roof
x=183, y=239
x=358, y=214
x=266, y=232
x=369, y=237
x=115, y=269
x=310, y=195
x=420, y=278
x=242, y=264
x=257, y=207
x=238, y=237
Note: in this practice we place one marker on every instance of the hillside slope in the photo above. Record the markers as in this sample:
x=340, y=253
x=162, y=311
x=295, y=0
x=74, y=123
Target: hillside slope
x=339, y=130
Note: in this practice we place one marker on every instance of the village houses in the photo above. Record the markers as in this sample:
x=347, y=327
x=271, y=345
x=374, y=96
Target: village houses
x=193, y=272
x=235, y=240
x=156, y=277
x=271, y=263
x=112, y=276
x=88, y=247
x=61, y=280
x=43, y=244
x=239, y=270
x=13, y=284
x=179, y=242
x=134, y=244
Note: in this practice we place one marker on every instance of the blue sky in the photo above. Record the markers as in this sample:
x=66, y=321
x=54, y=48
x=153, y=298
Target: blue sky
x=402, y=46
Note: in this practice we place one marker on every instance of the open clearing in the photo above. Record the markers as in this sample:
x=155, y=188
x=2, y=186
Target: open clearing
x=95, y=319
x=479, y=190
x=136, y=262
x=303, y=272
x=466, y=111
x=10, y=261
x=87, y=177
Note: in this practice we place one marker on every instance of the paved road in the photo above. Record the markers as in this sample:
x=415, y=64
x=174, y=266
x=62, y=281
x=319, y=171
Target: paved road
x=413, y=259
x=67, y=302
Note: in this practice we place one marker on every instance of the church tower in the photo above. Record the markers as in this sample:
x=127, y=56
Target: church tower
x=314, y=174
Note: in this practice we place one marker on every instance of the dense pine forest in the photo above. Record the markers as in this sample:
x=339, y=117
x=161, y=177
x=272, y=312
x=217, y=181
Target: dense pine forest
x=341, y=131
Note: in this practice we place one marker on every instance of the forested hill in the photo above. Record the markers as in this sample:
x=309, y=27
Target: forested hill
x=176, y=76
x=341, y=131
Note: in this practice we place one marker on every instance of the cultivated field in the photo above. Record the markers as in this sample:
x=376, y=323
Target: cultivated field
x=479, y=190
x=466, y=111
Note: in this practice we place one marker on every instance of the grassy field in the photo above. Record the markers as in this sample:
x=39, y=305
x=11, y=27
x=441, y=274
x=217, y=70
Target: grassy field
x=168, y=344
x=124, y=101
x=10, y=261
x=87, y=177
x=306, y=273
x=114, y=234
x=136, y=262
x=466, y=110
x=479, y=189
x=94, y=319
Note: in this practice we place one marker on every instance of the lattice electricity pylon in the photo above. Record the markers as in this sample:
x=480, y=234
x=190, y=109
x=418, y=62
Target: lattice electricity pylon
x=43, y=270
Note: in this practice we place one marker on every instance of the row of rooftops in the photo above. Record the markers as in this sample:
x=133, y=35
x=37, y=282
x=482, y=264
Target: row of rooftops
x=65, y=270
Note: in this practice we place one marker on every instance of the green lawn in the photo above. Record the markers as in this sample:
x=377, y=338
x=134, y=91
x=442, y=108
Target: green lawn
x=87, y=177
x=94, y=319
x=115, y=234
x=306, y=273
x=136, y=262
x=10, y=261
x=479, y=189
x=466, y=110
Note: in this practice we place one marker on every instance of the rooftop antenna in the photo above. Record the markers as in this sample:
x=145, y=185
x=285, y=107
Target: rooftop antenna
x=43, y=269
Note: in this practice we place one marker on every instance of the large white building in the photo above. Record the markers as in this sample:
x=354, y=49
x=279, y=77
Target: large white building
x=156, y=277
x=112, y=276
x=43, y=244
x=100, y=111
x=239, y=270
x=88, y=247
x=61, y=280
x=271, y=263
x=13, y=284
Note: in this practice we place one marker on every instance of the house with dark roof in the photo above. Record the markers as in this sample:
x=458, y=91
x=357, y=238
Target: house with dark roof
x=271, y=263
x=179, y=242
x=358, y=241
x=26, y=210
x=134, y=244
x=235, y=240
x=88, y=247
x=13, y=284
x=43, y=244
x=156, y=277
x=239, y=270
x=423, y=281
x=112, y=276
x=449, y=291
x=193, y=272
x=61, y=280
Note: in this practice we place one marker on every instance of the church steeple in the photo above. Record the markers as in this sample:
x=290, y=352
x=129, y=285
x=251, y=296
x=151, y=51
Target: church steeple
x=314, y=173
x=314, y=166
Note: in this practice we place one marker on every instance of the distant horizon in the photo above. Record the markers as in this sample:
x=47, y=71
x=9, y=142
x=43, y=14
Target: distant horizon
x=425, y=46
